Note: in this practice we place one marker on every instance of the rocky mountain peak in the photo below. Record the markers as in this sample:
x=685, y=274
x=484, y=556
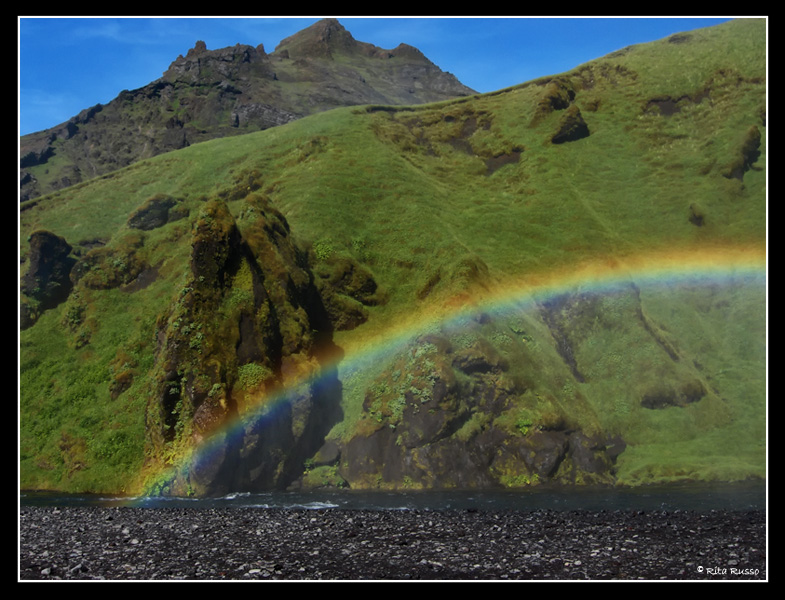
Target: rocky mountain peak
x=229, y=91
x=321, y=39
x=405, y=50
x=201, y=64
x=199, y=48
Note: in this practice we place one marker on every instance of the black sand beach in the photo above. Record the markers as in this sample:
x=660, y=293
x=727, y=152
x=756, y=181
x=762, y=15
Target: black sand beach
x=96, y=543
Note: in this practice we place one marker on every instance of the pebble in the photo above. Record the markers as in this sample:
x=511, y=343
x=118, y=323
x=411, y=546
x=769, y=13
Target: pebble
x=86, y=543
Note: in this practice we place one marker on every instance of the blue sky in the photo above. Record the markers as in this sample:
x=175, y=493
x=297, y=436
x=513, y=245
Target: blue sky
x=69, y=64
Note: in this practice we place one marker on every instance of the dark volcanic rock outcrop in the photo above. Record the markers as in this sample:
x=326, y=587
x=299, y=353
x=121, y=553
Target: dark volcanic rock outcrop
x=247, y=323
x=748, y=154
x=572, y=127
x=157, y=211
x=208, y=94
x=451, y=417
x=47, y=280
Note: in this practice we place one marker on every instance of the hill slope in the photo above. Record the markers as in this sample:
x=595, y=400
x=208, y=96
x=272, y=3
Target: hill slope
x=557, y=282
x=230, y=91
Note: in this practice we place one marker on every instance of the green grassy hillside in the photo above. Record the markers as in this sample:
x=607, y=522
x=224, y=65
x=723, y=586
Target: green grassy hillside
x=653, y=156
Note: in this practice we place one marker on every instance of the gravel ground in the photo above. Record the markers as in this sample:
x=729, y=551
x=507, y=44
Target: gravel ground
x=88, y=543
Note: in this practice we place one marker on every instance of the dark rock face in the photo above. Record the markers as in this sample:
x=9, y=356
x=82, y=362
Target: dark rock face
x=322, y=39
x=255, y=113
x=572, y=127
x=480, y=357
x=155, y=212
x=696, y=215
x=216, y=93
x=748, y=154
x=560, y=314
x=220, y=67
x=37, y=152
x=47, y=281
x=434, y=420
x=557, y=95
x=663, y=396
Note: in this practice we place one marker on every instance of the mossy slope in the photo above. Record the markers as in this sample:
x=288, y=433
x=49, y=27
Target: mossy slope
x=395, y=215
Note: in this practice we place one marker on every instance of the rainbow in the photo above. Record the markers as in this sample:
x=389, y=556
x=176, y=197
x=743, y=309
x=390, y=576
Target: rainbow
x=727, y=265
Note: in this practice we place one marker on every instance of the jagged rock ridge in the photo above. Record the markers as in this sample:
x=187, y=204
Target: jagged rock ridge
x=215, y=93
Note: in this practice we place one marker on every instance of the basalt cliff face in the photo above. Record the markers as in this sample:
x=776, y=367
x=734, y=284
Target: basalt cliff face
x=208, y=94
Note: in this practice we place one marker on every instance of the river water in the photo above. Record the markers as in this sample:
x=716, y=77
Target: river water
x=692, y=496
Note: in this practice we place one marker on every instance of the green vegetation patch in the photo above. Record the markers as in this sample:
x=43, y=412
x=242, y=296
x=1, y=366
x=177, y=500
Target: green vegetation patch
x=443, y=204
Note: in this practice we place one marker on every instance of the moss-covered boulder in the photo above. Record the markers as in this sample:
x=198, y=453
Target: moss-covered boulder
x=346, y=288
x=157, y=211
x=46, y=282
x=118, y=263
